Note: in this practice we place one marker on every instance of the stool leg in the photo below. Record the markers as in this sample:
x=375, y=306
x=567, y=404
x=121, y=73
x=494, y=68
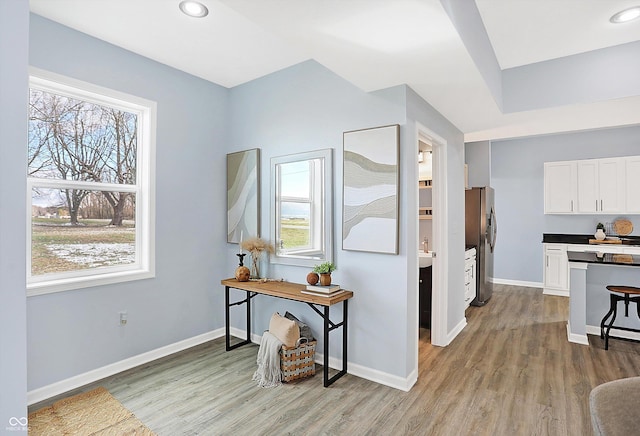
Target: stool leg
x=609, y=313
x=626, y=305
x=614, y=305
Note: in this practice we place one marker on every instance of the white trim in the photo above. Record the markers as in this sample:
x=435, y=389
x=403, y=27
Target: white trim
x=439, y=320
x=555, y=292
x=578, y=265
x=60, y=387
x=576, y=338
x=374, y=375
x=144, y=189
x=455, y=331
x=516, y=283
x=79, y=380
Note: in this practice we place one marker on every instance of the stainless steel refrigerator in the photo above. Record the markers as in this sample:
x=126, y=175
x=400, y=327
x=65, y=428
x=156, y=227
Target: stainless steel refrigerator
x=481, y=230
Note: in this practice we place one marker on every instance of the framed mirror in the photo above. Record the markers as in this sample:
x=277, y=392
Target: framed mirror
x=302, y=208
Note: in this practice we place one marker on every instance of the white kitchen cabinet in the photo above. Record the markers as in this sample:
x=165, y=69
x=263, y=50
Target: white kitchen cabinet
x=632, y=176
x=593, y=186
x=560, y=187
x=556, y=269
x=470, y=286
x=601, y=185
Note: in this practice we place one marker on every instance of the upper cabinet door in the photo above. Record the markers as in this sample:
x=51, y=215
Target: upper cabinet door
x=588, y=196
x=612, y=185
x=560, y=187
x=601, y=185
x=632, y=184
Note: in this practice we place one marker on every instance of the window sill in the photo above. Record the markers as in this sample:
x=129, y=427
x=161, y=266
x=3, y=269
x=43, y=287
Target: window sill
x=69, y=284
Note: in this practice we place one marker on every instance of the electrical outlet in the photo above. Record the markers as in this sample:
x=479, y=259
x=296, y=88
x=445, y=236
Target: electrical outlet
x=123, y=318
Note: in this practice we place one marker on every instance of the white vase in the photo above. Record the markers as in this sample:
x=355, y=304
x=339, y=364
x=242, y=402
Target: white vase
x=600, y=235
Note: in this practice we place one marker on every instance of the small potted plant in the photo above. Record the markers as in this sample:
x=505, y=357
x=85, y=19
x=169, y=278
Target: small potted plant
x=600, y=235
x=324, y=270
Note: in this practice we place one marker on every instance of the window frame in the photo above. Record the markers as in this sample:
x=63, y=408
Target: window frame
x=321, y=201
x=311, y=199
x=143, y=189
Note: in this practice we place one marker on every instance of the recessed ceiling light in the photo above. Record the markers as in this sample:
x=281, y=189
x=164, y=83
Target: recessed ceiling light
x=626, y=15
x=194, y=9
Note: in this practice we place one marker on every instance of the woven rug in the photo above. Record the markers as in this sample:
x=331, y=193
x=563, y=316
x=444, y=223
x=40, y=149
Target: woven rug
x=95, y=412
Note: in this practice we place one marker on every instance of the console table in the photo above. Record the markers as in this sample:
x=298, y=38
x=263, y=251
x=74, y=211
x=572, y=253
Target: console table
x=291, y=291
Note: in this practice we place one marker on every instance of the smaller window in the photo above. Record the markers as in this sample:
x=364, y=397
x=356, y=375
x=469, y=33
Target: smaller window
x=302, y=195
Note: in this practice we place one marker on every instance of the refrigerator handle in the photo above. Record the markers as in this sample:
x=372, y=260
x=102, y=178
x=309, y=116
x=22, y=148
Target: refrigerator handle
x=493, y=229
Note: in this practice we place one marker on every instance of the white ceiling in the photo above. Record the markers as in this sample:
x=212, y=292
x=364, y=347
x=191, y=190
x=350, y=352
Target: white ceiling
x=374, y=44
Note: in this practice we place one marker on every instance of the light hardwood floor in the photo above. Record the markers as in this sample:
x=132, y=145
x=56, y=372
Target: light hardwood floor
x=510, y=372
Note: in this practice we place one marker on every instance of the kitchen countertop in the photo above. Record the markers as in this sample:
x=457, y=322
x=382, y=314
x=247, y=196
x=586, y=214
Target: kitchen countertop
x=564, y=238
x=604, y=258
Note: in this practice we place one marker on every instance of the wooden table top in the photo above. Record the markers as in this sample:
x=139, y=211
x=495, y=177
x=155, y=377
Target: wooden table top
x=288, y=290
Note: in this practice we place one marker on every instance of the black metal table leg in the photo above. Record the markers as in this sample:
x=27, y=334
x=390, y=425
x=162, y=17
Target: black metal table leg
x=227, y=305
x=328, y=327
x=325, y=367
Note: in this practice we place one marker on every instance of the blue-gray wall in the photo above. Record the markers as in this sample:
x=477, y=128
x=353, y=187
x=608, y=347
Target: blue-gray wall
x=14, y=50
x=302, y=108
x=477, y=155
x=70, y=333
x=307, y=107
x=517, y=174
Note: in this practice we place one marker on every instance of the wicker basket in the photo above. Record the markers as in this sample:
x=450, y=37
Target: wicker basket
x=298, y=362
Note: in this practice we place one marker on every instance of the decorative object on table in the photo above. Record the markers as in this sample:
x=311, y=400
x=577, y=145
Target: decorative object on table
x=329, y=289
x=600, y=235
x=323, y=293
x=370, y=191
x=623, y=227
x=243, y=189
x=243, y=274
x=241, y=256
x=324, y=269
x=313, y=278
x=258, y=248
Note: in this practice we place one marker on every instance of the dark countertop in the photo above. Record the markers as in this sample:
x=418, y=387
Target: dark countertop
x=564, y=238
x=606, y=258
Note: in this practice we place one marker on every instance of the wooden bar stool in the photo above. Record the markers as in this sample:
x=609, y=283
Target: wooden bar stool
x=626, y=292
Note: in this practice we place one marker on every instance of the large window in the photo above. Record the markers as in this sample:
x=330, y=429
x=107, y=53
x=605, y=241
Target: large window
x=89, y=180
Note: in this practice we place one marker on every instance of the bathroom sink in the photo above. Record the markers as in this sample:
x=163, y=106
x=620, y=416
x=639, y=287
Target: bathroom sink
x=425, y=259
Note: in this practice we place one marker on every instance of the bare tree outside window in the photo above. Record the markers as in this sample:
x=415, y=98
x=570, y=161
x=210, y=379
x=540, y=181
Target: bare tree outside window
x=77, y=226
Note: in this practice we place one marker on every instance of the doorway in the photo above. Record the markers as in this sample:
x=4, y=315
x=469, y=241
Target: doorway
x=438, y=243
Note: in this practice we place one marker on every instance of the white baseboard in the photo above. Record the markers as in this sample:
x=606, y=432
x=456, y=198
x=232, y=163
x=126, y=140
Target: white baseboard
x=517, y=283
x=40, y=394
x=555, y=292
x=575, y=338
x=456, y=330
x=365, y=372
x=60, y=387
x=595, y=330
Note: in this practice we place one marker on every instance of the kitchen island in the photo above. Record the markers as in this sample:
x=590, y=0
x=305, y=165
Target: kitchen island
x=590, y=272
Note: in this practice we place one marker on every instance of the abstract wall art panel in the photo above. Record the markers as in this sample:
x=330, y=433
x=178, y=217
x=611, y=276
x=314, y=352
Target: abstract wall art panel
x=370, y=191
x=243, y=195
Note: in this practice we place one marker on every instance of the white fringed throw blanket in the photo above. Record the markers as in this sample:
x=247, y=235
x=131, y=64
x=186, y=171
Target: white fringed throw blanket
x=268, y=374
